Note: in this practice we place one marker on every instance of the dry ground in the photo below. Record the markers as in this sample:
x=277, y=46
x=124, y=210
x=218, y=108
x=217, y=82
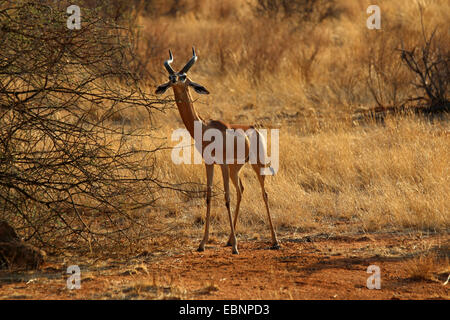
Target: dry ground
x=306, y=267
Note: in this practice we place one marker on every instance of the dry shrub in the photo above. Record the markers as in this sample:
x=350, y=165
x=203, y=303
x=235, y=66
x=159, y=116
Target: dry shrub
x=61, y=161
x=432, y=71
x=300, y=10
x=387, y=79
x=398, y=76
x=428, y=267
x=173, y=8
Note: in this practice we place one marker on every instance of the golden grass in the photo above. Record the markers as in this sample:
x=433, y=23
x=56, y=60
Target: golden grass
x=388, y=177
x=306, y=79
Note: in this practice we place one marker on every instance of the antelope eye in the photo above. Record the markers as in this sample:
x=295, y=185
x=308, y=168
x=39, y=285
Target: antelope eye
x=182, y=77
x=173, y=78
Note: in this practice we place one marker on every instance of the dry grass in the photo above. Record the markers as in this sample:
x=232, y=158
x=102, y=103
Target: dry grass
x=308, y=79
x=429, y=267
x=375, y=178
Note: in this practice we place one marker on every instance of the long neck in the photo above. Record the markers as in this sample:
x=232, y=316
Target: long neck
x=186, y=108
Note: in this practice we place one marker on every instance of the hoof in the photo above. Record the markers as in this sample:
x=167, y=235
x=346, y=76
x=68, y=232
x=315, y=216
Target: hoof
x=200, y=249
x=235, y=251
x=276, y=246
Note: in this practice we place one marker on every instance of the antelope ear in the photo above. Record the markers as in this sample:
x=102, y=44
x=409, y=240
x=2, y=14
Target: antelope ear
x=162, y=88
x=198, y=88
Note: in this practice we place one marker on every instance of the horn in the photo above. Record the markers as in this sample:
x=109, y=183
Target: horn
x=190, y=62
x=168, y=62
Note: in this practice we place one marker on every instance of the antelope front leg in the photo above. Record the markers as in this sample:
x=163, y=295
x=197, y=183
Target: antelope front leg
x=234, y=175
x=226, y=185
x=209, y=181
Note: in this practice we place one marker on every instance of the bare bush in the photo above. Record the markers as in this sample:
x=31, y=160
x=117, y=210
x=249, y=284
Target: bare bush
x=386, y=79
x=431, y=67
x=419, y=77
x=61, y=162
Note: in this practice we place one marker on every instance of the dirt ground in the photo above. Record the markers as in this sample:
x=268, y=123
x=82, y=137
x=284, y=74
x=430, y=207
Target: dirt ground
x=309, y=267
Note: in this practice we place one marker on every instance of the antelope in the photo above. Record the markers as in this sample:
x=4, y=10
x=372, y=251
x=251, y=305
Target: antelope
x=180, y=84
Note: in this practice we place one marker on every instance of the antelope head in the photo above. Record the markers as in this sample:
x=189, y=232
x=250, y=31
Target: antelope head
x=180, y=79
